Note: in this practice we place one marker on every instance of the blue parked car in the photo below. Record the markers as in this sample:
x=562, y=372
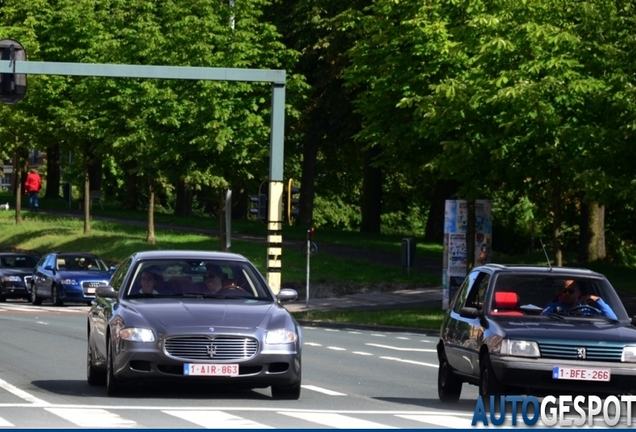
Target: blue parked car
x=15, y=273
x=68, y=277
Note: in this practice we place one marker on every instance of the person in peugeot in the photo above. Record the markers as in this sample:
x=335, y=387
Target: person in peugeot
x=571, y=298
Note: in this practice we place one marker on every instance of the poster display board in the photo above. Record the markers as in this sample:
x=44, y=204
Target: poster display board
x=455, y=250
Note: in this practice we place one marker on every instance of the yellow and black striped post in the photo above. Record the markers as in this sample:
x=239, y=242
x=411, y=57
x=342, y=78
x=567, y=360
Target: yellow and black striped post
x=275, y=235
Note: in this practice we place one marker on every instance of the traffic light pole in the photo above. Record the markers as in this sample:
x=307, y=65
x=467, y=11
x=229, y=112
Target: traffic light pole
x=277, y=78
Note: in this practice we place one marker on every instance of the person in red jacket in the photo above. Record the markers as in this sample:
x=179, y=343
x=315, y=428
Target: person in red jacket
x=32, y=187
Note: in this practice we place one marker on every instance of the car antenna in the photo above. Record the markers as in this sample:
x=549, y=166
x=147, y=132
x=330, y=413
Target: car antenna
x=546, y=254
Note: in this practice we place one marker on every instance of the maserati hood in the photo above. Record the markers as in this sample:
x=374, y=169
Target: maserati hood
x=173, y=313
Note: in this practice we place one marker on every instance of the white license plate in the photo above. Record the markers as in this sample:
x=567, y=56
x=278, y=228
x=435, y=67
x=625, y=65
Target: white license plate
x=581, y=374
x=90, y=290
x=210, y=369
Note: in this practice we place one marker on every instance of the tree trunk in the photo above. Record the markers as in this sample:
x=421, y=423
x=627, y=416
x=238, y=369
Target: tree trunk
x=17, y=185
x=308, y=181
x=132, y=196
x=222, y=224
x=87, y=201
x=53, y=172
x=371, y=207
x=592, y=233
x=444, y=190
x=470, y=235
x=183, y=202
x=240, y=206
x=150, y=237
x=556, y=227
x=95, y=172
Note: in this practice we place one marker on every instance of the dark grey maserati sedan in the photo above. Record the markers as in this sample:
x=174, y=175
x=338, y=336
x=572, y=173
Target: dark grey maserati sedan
x=192, y=316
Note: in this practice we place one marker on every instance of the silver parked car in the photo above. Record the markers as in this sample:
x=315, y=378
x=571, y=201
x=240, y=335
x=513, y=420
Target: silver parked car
x=191, y=316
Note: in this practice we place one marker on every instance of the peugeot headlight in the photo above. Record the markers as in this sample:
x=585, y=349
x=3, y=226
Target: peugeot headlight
x=10, y=278
x=137, y=334
x=520, y=348
x=69, y=282
x=282, y=336
x=629, y=354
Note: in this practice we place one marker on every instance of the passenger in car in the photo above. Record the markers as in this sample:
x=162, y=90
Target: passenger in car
x=150, y=282
x=571, y=298
x=212, y=282
x=84, y=264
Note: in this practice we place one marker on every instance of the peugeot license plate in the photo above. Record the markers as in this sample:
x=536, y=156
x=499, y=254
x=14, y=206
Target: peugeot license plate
x=581, y=373
x=196, y=369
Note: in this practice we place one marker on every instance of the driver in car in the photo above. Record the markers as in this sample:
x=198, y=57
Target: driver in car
x=571, y=298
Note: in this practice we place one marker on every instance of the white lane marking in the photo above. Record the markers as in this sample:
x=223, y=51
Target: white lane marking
x=426, y=341
x=21, y=393
x=378, y=335
x=401, y=349
x=411, y=362
x=18, y=308
x=355, y=332
x=35, y=309
x=362, y=353
x=212, y=419
x=331, y=330
x=311, y=344
x=42, y=322
x=323, y=390
x=337, y=348
x=441, y=420
x=403, y=338
x=96, y=418
x=337, y=421
x=4, y=423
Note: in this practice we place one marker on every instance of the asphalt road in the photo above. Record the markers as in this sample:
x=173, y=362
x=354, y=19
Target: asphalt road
x=351, y=379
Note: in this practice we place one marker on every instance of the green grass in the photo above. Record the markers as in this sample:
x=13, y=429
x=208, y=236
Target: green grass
x=113, y=241
x=42, y=233
x=423, y=318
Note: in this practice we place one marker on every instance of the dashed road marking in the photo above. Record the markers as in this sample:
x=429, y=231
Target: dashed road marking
x=338, y=421
x=402, y=349
x=323, y=390
x=411, y=362
x=95, y=418
x=212, y=419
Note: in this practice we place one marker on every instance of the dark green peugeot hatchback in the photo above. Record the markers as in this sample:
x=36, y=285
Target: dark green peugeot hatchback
x=536, y=330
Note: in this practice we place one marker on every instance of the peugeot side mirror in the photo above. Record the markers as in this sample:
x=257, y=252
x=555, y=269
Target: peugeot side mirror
x=470, y=312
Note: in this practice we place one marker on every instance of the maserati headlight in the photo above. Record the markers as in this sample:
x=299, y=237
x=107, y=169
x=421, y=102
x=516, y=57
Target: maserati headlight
x=10, y=278
x=69, y=282
x=629, y=354
x=520, y=348
x=137, y=334
x=282, y=336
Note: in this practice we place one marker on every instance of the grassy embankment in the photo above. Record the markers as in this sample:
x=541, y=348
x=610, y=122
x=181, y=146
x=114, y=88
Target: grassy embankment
x=114, y=241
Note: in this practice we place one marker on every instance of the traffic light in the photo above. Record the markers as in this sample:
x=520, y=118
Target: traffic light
x=291, y=207
x=260, y=210
x=12, y=86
